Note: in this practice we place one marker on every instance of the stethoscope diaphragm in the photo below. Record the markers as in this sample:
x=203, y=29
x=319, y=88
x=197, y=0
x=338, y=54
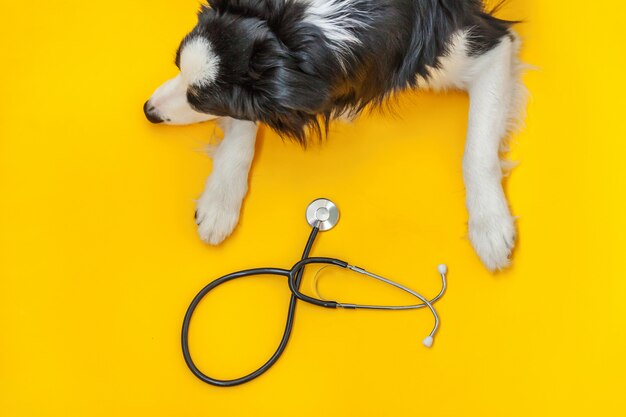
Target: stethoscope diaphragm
x=322, y=213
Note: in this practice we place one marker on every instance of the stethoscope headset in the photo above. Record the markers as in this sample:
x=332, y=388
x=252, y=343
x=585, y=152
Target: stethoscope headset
x=322, y=215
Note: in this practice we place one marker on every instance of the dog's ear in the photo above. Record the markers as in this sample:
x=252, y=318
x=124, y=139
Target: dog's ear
x=289, y=86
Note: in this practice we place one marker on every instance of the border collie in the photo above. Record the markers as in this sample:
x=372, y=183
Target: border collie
x=295, y=65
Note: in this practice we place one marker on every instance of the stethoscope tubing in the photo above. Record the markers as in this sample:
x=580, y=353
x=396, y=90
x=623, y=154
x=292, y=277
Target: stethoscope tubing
x=198, y=298
x=294, y=279
x=286, y=333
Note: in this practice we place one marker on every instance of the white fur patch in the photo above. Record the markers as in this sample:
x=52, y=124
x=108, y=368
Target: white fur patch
x=198, y=63
x=454, y=71
x=332, y=17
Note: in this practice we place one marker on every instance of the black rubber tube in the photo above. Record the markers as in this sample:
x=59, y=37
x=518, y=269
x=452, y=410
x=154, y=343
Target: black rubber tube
x=297, y=280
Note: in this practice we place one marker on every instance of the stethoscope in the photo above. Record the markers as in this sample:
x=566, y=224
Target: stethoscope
x=322, y=215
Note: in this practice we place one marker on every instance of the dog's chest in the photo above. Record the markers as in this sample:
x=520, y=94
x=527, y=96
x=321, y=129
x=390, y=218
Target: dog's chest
x=455, y=69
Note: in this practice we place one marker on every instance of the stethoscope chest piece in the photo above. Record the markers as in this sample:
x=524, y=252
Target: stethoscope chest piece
x=322, y=213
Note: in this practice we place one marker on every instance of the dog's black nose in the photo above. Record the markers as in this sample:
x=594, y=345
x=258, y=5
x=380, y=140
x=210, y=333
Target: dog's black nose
x=151, y=114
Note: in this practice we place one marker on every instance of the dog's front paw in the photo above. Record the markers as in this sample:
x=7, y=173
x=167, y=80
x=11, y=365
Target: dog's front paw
x=216, y=217
x=493, y=237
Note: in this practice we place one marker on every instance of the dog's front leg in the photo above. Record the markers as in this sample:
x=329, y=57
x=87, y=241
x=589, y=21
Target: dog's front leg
x=217, y=210
x=491, y=226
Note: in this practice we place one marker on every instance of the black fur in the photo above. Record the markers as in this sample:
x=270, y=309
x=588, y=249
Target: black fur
x=280, y=70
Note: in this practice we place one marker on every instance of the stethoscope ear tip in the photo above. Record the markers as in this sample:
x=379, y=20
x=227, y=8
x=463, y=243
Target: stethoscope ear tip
x=428, y=341
x=442, y=268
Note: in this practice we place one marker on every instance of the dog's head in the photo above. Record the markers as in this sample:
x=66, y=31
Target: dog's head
x=252, y=61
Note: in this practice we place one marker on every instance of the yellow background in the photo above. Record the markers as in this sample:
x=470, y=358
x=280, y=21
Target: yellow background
x=99, y=255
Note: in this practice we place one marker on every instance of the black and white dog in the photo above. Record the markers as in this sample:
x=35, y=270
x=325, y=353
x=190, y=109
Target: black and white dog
x=295, y=65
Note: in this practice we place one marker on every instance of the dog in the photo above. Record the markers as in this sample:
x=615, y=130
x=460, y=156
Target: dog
x=296, y=65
